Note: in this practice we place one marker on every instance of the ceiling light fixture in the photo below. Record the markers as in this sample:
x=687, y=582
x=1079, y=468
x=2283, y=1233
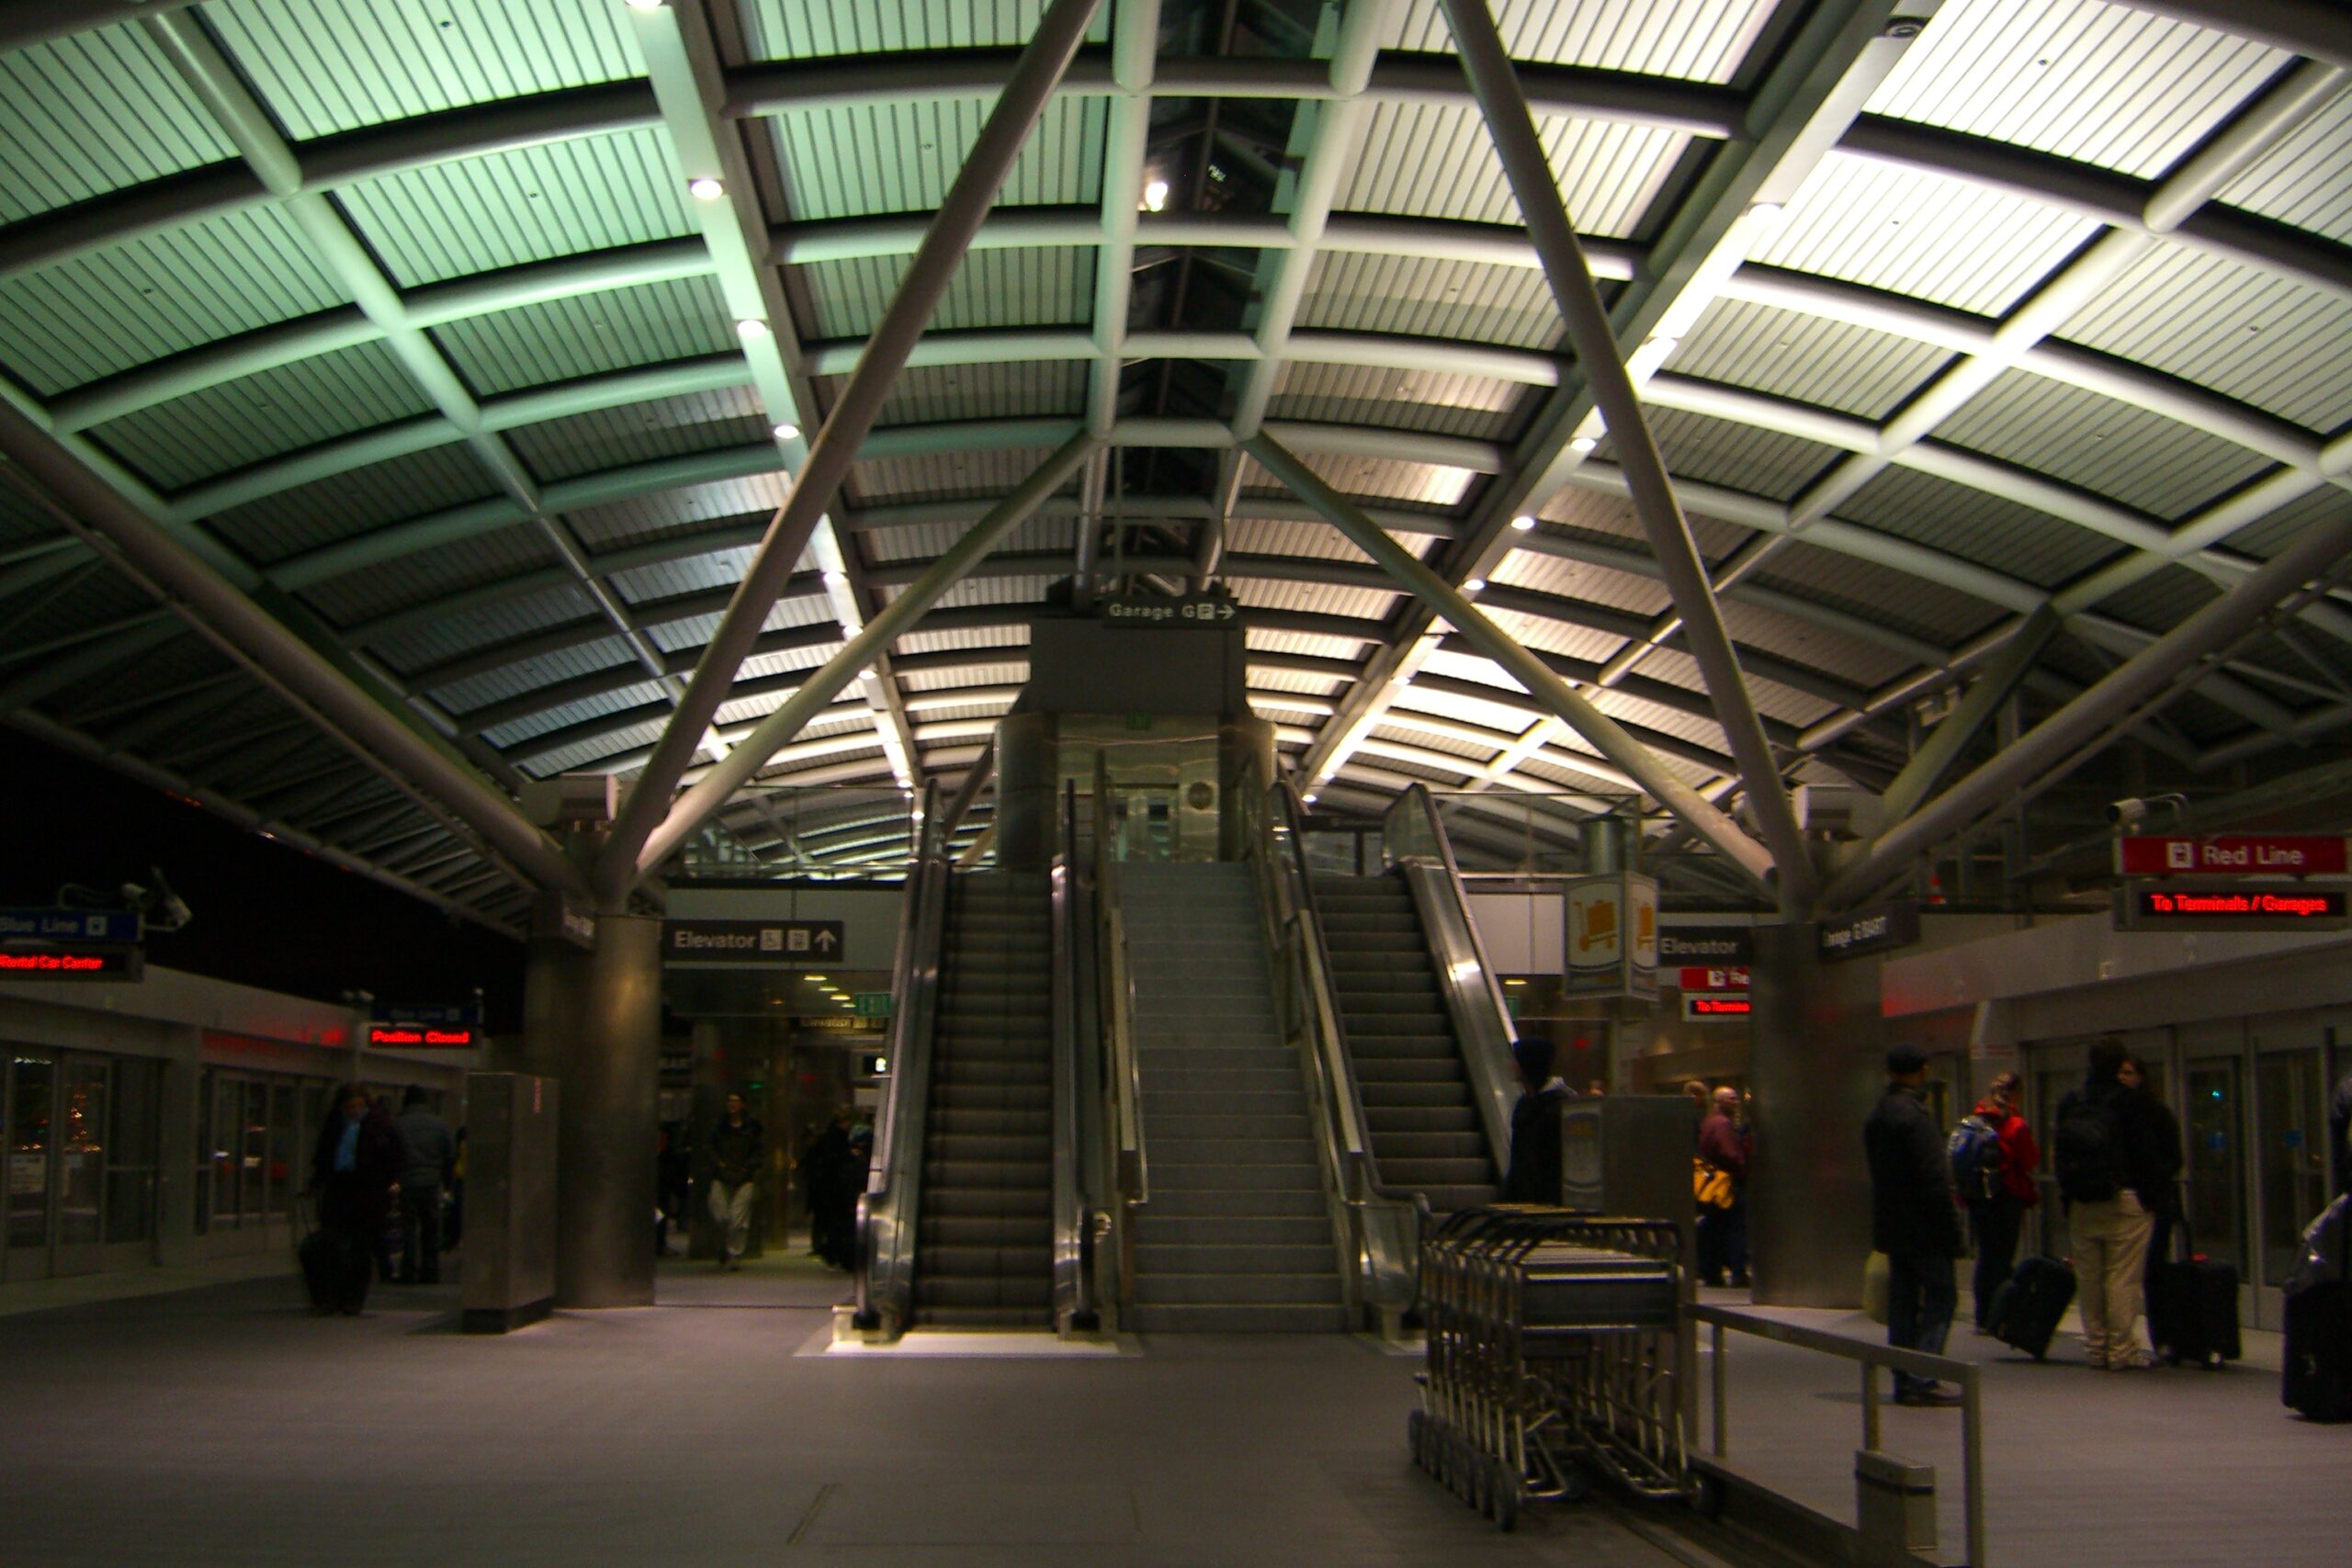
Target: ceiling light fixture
x=836, y=579
x=750, y=327
x=1523, y=525
x=1155, y=195
x=1583, y=445
x=1474, y=585
x=647, y=4
x=1767, y=212
x=706, y=189
x=787, y=432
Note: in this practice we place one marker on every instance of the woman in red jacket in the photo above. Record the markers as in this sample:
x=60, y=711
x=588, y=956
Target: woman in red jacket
x=1998, y=1217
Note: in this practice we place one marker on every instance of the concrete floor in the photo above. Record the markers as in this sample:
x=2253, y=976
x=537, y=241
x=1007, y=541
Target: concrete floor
x=225, y=1424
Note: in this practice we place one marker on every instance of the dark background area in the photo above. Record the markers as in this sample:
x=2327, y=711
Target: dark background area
x=267, y=914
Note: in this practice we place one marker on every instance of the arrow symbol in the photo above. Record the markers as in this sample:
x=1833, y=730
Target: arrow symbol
x=824, y=941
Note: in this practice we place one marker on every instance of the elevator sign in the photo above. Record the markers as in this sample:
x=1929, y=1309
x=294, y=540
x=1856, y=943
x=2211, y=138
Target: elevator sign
x=2269, y=854
x=751, y=941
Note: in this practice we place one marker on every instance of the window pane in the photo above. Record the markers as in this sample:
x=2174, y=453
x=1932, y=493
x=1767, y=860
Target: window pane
x=81, y=1183
x=29, y=1150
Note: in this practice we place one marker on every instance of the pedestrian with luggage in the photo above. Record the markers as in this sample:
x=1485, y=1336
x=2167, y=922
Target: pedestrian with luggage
x=432, y=1159
x=1535, y=1172
x=355, y=1173
x=738, y=1148
x=1914, y=1220
x=2117, y=1155
x=1724, y=1147
x=1994, y=1157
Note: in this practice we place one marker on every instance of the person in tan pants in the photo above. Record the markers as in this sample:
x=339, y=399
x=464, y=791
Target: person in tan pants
x=2117, y=1156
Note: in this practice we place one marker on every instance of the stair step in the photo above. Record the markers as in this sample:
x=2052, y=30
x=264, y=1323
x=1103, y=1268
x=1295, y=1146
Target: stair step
x=983, y=1317
x=1289, y=1125
x=1257, y=1319
x=1233, y=1290
x=1186, y=1082
x=1388, y=1120
x=1434, y=1172
x=1171, y=1174
x=1204, y=1202
x=1225, y=1257
x=956, y=1260
x=1154, y=1229
x=1014, y=1231
x=1383, y=1069
x=1170, y=1148
x=1426, y=1092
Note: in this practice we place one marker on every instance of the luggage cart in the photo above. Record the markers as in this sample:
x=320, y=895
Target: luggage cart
x=1556, y=1353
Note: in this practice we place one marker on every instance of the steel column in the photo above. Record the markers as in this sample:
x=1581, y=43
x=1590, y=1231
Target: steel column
x=2323, y=548
x=750, y=753
x=1513, y=123
x=835, y=448
x=1444, y=600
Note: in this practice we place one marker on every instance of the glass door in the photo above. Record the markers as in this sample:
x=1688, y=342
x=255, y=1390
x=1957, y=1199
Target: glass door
x=32, y=1116
x=2291, y=1186
x=85, y=1095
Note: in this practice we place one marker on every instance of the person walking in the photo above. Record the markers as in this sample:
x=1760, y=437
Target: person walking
x=1536, y=1175
x=2117, y=1155
x=432, y=1161
x=1994, y=1156
x=1724, y=1145
x=1914, y=1220
x=822, y=1163
x=355, y=1172
x=738, y=1147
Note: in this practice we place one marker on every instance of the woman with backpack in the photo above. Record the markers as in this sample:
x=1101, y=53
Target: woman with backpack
x=1993, y=1160
x=2117, y=1155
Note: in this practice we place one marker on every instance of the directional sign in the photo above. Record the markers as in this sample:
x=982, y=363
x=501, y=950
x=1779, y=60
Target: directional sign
x=1681, y=946
x=74, y=961
x=1193, y=610
x=871, y=1004
x=69, y=925
x=1716, y=1006
x=751, y=941
x=445, y=1015
x=2218, y=907
x=2285, y=854
x=1874, y=929
x=1726, y=979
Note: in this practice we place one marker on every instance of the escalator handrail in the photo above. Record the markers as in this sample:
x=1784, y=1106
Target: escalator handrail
x=1122, y=1083
x=1485, y=1034
x=886, y=1211
x=1303, y=917
x=1073, y=1288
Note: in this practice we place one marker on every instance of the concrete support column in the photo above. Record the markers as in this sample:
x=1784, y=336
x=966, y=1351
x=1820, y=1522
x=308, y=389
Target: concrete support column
x=610, y=1066
x=1815, y=1066
x=1604, y=838
x=176, y=1153
x=554, y=979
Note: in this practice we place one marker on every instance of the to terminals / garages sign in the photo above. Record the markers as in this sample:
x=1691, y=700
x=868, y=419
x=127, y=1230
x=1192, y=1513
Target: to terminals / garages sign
x=2220, y=907
x=1717, y=1006
x=750, y=942
x=2240, y=855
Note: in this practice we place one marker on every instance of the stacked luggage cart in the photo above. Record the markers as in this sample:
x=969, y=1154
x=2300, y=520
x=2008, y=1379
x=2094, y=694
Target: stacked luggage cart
x=1556, y=1354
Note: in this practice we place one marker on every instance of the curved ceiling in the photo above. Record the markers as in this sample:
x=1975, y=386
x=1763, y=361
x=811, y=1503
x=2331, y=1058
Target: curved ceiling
x=409, y=320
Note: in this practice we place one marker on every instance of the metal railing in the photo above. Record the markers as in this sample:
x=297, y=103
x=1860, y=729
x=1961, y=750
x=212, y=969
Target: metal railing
x=1415, y=839
x=886, y=1218
x=1121, y=1077
x=1073, y=1297
x=1916, y=1364
x=1379, y=1235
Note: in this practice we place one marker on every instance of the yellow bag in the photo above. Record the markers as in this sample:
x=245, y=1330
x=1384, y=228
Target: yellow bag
x=1711, y=1187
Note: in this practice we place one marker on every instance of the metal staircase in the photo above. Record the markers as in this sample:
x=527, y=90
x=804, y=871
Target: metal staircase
x=1238, y=1234
x=1417, y=1099
x=983, y=1252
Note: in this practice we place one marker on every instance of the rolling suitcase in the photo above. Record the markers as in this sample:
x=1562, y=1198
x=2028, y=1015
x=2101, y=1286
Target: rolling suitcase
x=2193, y=1309
x=2316, y=1379
x=2026, y=1308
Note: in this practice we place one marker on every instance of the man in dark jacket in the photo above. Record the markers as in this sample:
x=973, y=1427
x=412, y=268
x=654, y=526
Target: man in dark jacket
x=432, y=1156
x=2117, y=1155
x=1534, y=1175
x=738, y=1149
x=2339, y=1134
x=354, y=1171
x=1914, y=1220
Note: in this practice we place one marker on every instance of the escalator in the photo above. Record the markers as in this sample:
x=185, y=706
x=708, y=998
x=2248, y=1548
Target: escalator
x=1419, y=1104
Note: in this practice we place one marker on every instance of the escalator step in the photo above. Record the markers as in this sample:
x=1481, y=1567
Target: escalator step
x=988, y=1175
x=1417, y=1092
x=983, y=1317
x=1024, y=1231
x=952, y=1261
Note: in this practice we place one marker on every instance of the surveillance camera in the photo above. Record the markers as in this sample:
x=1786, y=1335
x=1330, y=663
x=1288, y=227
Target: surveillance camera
x=2124, y=812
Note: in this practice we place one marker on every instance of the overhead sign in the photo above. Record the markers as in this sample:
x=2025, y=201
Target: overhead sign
x=443, y=1015
x=1728, y=979
x=1611, y=936
x=69, y=925
x=871, y=1004
x=2209, y=907
x=2239, y=855
x=1679, y=946
x=750, y=942
x=873, y=1065
x=559, y=915
x=74, y=961
x=841, y=1023
x=1874, y=929
x=1191, y=610
x=425, y=1036
x=1716, y=1006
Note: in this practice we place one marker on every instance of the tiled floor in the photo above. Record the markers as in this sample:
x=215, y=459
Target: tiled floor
x=227, y=1426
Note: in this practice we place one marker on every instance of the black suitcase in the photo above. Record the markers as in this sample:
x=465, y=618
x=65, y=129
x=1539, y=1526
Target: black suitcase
x=2317, y=1378
x=323, y=1268
x=2026, y=1308
x=2193, y=1311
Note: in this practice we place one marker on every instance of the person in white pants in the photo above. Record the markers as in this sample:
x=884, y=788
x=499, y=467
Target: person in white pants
x=737, y=1145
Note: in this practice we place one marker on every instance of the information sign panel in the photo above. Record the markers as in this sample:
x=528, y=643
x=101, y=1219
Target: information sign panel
x=110, y=926
x=750, y=942
x=425, y=1036
x=2220, y=907
x=1717, y=1006
x=1725, y=979
x=2237, y=855
x=1611, y=932
x=78, y=961
x=1874, y=929
x=1683, y=945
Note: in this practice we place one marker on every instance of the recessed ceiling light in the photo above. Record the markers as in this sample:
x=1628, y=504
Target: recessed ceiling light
x=706, y=189
x=1155, y=195
x=787, y=432
x=817, y=979
x=1474, y=585
x=1582, y=444
x=752, y=327
x=836, y=579
x=1524, y=525
x=1767, y=212
x=647, y=4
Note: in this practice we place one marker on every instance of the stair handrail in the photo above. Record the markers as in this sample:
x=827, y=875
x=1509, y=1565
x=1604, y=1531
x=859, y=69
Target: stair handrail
x=1073, y=1297
x=1471, y=991
x=887, y=1217
x=1381, y=1233
x=1122, y=1074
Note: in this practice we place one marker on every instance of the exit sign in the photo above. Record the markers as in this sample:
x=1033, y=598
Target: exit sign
x=871, y=1004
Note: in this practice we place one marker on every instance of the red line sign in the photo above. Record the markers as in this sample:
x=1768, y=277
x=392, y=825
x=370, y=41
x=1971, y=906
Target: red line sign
x=2244, y=855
